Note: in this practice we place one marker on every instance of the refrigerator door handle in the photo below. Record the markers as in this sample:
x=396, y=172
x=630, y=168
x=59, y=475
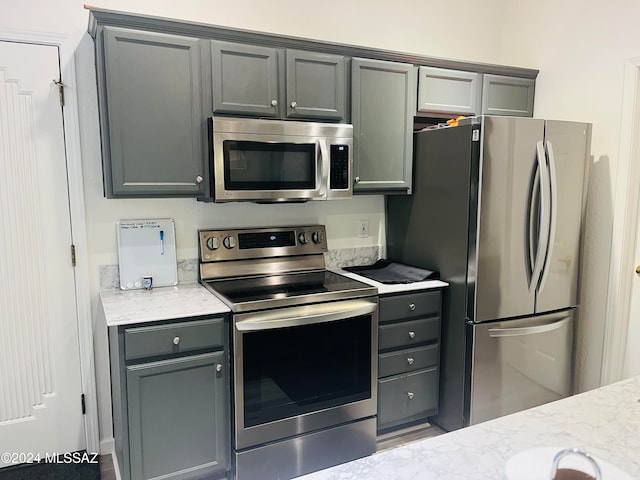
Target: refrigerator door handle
x=533, y=211
x=516, y=332
x=553, y=206
x=543, y=231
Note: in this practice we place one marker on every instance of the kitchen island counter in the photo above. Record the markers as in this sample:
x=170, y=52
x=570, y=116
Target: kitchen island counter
x=162, y=303
x=604, y=422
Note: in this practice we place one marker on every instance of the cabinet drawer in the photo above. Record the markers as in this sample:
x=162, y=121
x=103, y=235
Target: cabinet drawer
x=405, y=334
x=142, y=342
x=395, y=363
x=407, y=397
x=418, y=304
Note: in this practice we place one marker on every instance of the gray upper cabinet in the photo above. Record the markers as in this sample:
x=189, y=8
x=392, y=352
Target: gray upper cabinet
x=245, y=79
x=502, y=95
x=151, y=114
x=316, y=85
x=383, y=107
x=445, y=91
x=160, y=79
x=271, y=82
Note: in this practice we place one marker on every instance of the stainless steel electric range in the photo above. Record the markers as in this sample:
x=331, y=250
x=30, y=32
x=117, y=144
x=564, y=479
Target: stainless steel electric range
x=304, y=350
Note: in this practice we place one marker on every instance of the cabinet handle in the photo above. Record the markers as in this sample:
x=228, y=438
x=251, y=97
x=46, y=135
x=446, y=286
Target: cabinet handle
x=412, y=306
x=176, y=340
x=410, y=360
x=410, y=395
x=294, y=104
x=274, y=103
x=357, y=179
x=218, y=367
x=412, y=334
x=199, y=179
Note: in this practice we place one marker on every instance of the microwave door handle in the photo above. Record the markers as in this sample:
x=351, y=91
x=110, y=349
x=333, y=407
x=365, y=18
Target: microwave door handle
x=305, y=315
x=322, y=161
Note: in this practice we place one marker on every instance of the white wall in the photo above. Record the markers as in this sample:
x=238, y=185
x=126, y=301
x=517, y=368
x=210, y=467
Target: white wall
x=429, y=27
x=580, y=49
x=426, y=27
x=445, y=29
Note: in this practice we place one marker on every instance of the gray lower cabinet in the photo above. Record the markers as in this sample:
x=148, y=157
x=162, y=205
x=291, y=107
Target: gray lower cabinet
x=152, y=122
x=503, y=95
x=383, y=107
x=408, y=358
x=271, y=82
x=170, y=390
x=444, y=91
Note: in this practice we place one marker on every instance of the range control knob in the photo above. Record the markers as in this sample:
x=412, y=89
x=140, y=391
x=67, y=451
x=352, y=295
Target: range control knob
x=303, y=238
x=229, y=241
x=213, y=243
x=317, y=237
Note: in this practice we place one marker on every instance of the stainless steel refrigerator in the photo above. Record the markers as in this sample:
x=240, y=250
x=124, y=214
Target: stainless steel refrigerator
x=497, y=208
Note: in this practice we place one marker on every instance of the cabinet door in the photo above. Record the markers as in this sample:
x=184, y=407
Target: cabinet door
x=316, y=85
x=178, y=417
x=448, y=91
x=384, y=104
x=507, y=96
x=406, y=398
x=153, y=128
x=245, y=79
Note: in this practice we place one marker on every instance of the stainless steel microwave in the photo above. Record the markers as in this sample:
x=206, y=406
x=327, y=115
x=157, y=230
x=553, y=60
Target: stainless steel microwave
x=266, y=161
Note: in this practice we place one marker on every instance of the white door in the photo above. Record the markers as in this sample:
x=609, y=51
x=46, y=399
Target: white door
x=632, y=353
x=40, y=407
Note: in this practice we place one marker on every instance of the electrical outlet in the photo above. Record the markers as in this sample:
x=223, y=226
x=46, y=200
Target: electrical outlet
x=363, y=228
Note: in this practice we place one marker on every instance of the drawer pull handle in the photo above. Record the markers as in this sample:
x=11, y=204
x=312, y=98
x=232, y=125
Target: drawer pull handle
x=176, y=340
x=410, y=360
x=218, y=367
x=410, y=395
x=412, y=306
x=412, y=334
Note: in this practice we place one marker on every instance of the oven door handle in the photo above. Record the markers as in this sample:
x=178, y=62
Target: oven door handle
x=303, y=315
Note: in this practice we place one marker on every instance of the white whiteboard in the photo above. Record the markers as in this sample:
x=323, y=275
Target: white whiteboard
x=147, y=248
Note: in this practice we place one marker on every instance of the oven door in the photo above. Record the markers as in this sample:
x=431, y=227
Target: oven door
x=304, y=368
x=269, y=168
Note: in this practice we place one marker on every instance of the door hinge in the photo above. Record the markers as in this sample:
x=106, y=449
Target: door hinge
x=84, y=407
x=60, y=86
x=73, y=255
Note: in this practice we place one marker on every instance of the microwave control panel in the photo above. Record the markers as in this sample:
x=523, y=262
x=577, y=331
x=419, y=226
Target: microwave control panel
x=339, y=169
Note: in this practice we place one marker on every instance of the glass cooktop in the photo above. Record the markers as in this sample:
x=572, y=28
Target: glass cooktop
x=255, y=293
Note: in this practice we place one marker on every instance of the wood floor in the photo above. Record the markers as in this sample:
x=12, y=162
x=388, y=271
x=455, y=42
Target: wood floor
x=407, y=435
x=385, y=442
x=107, y=471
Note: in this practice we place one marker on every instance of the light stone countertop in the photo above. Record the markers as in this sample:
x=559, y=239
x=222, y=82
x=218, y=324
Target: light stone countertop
x=123, y=307
x=604, y=422
x=385, y=288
